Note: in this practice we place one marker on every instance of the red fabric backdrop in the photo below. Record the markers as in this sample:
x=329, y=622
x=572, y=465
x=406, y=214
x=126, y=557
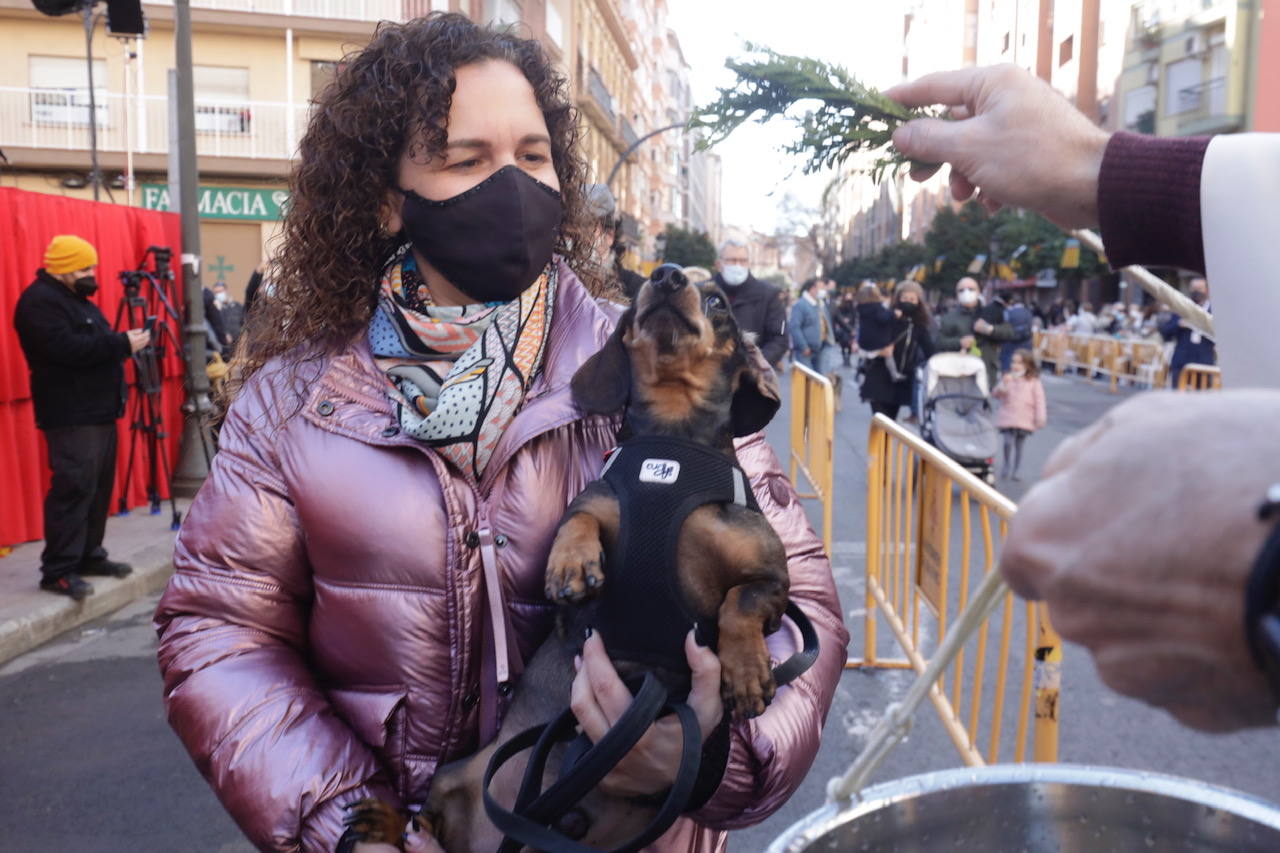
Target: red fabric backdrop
x=121, y=235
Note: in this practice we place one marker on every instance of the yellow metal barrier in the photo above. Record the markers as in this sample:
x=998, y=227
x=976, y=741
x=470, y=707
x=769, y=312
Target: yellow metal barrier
x=925, y=514
x=813, y=428
x=1200, y=377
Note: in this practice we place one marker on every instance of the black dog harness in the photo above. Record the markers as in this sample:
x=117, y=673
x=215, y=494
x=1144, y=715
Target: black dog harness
x=658, y=482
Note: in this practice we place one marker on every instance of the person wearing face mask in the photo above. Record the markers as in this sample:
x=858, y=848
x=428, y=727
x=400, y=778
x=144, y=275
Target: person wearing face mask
x=361, y=578
x=232, y=311
x=758, y=307
x=77, y=387
x=975, y=328
x=889, y=377
x=1190, y=346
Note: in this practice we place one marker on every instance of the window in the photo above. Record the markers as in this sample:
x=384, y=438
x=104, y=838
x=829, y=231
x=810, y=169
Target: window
x=555, y=25
x=1005, y=49
x=1182, y=86
x=222, y=99
x=502, y=12
x=62, y=96
x=1065, y=50
x=322, y=71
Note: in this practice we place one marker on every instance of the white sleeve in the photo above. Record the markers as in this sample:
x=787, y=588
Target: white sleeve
x=1240, y=221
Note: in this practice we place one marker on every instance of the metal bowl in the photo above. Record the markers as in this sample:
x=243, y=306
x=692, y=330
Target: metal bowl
x=1063, y=808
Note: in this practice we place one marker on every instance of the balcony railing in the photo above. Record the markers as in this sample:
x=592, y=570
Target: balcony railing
x=1193, y=98
x=347, y=10
x=600, y=93
x=58, y=119
x=629, y=133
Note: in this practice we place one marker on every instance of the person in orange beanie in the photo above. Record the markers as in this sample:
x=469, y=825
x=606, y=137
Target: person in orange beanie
x=77, y=386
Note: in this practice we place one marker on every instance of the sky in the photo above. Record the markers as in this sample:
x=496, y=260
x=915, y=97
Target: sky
x=865, y=36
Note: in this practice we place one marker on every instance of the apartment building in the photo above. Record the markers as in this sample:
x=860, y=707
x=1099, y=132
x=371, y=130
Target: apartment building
x=257, y=66
x=1194, y=67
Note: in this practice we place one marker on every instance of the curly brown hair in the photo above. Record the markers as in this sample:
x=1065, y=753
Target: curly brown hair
x=391, y=97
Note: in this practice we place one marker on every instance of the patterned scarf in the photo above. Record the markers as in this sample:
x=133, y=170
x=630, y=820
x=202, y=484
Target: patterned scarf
x=458, y=375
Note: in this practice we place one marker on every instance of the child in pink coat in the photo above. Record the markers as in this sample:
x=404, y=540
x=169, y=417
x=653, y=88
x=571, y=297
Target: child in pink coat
x=1023, y=408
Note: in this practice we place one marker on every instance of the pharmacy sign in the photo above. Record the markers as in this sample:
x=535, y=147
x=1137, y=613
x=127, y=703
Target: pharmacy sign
x=223, y=202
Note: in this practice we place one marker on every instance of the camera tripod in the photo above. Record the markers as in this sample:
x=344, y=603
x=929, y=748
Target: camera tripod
x=156, y=311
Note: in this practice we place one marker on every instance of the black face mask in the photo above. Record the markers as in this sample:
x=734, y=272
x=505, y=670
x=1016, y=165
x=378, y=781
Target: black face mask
x=492, y=241
x=86, y=286
x=1198, y=297
x=908, y=309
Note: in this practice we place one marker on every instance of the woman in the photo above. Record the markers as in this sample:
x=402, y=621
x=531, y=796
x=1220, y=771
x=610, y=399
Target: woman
x=889, y=379
x=361, y=575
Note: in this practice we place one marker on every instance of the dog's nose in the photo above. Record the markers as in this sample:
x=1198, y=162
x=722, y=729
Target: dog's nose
x=668, y=278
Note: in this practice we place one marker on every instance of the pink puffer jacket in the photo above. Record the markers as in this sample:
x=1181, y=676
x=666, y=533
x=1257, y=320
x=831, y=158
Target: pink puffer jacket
x=324, y=635
x=1022, y=404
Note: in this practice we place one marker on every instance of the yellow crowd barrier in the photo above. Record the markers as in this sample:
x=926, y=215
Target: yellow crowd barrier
x=1131, y=360
x=813, y=428
x=1200, y=377
x=933, y=532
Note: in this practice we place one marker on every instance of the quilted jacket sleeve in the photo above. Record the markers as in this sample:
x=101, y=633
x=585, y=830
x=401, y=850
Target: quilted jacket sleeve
x=770, y=755
x=232, y=626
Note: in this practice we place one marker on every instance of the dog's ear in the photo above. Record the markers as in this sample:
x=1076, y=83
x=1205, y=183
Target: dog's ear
x=602, y=385
x=756, y=399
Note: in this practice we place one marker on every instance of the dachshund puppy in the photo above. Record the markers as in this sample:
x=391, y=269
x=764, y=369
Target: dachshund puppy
x=686, y=375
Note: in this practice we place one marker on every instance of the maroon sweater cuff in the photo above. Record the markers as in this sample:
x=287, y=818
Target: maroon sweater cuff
x=1149, y=200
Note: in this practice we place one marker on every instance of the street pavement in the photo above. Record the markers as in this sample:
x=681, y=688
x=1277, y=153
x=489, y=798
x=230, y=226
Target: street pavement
x=88, y=763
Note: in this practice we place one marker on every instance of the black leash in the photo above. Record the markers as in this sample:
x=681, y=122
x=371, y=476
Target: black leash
x=530, y=821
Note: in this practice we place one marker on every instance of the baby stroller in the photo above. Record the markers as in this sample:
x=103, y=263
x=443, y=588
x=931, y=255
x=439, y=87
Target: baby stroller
x=955, y=411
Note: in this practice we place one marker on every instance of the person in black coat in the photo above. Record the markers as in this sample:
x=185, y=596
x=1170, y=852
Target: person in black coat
x=77, y=386
x=1190, y=346
x=888, y=379
x=758, y=307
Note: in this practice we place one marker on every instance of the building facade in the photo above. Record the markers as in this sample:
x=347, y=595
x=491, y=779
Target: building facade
x=257, y=67
x=1169, y=67
x=1189, y=67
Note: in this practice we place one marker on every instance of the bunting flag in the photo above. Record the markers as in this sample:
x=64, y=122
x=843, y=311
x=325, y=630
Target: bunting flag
x=920, y=274
x=1018, y=251
x=976, y=265
x=938, y=262
x=1071, y=255
x=1004, y=272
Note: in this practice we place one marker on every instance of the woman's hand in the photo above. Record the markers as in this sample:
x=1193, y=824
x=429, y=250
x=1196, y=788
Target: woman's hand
x=982, y=327
x=887, y=352
x=599, y=698
x=415, y=841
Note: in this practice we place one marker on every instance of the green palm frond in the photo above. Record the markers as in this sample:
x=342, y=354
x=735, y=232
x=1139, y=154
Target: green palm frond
x=845, y=117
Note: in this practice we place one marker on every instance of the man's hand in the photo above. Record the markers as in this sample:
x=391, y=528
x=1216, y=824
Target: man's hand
x=1141, y=538
x=599, y=698
x=1014, y=138
x=138, y=338
x=982, y=327
x=967, y=343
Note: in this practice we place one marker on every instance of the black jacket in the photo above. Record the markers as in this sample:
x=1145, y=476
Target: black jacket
x=759, y=308
x=77, y=375
x=912, y=347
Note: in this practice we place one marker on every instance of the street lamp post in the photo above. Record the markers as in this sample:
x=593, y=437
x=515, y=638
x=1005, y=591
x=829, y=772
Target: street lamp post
x=625, y=154
x=95, y=175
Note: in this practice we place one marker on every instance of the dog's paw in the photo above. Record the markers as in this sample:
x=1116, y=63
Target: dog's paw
x=575, y=569
x=746, y=679
x=374, y=821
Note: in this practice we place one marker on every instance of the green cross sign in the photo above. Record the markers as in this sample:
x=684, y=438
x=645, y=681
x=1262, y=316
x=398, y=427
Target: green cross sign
x=221, y=268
